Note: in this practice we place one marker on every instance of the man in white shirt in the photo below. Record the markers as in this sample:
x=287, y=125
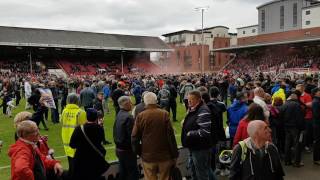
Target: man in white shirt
x=27, y=93
x=259, y=99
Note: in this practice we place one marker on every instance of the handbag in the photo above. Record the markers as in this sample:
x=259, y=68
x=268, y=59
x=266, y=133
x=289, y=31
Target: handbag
x=175, y=173
x=106, y=164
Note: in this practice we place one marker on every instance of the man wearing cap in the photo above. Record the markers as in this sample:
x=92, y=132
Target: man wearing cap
x=88, y=163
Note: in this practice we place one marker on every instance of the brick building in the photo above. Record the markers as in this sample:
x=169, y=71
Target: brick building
x=186, y=56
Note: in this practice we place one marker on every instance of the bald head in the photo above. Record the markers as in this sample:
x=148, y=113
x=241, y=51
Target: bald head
x=254, y=127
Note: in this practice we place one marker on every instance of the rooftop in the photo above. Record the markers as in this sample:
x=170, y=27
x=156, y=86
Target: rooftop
x=33, y=37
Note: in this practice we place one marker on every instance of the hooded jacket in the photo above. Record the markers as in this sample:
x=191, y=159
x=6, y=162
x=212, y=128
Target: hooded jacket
x=23, y=160
x=263, y=164
x=234, y=114
x=279, y=94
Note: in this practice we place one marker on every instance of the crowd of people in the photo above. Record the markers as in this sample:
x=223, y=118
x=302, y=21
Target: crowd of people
x=269, y=120
x=273, y=62
x=20, y=66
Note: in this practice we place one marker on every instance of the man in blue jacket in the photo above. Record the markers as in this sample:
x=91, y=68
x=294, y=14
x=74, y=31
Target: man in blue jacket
x=236, y=112
x=106, y=94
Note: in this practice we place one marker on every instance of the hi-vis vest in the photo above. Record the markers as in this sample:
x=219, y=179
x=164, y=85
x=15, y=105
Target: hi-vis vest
x=72, y=116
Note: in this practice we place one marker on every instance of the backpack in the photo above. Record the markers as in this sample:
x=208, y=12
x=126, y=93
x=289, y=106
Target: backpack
x=164, y=95
x=244, y=151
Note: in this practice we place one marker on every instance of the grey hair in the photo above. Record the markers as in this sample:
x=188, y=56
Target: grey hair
x=25, y=128
x=253, y=127
x=144, y=93
x=123, y=100
x=150, y=98
x=73, y=98
x=258, y=91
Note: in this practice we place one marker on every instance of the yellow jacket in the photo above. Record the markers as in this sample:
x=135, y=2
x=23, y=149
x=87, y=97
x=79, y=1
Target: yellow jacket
x=280, y=94
x=71, y=117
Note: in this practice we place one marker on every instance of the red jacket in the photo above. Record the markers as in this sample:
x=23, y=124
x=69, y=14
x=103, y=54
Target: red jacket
x=241, y=133
x=23, y=158
x=306, y=98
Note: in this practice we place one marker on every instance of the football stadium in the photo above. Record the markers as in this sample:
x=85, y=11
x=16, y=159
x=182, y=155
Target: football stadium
x=202, y=104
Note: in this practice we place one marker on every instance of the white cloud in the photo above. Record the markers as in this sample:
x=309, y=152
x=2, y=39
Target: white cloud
x=139, y=17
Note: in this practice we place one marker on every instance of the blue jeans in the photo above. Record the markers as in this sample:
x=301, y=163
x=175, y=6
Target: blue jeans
x=128, y=167
x=200, y=163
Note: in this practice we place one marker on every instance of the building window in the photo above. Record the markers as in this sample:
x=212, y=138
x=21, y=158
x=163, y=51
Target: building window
x=263, y=20
x=295, y=14
x=308, y=12
x=308, y=22
x=243, y=32
x=194, y=37
x=253, y=30
x=281, y=17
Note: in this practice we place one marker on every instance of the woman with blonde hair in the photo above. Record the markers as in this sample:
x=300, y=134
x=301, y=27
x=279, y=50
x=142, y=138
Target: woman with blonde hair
x=43, y=140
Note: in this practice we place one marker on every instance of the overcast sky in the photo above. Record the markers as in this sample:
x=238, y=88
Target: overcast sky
x=137, y=17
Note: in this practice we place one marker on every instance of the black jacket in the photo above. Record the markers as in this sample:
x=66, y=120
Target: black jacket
x=196, y=130
x=116, y=94
x=122, y=130
x=87, y=162
x=138, y=109
x=292, y=115
x=217, y=109
x=86, y=97
x=97, y=105
x=262, y=164
x=316, y=111
x=173, y=94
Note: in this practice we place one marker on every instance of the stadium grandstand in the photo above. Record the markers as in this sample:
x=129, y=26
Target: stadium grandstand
x=282, y=41
x=60, y=52
x=286, y=38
